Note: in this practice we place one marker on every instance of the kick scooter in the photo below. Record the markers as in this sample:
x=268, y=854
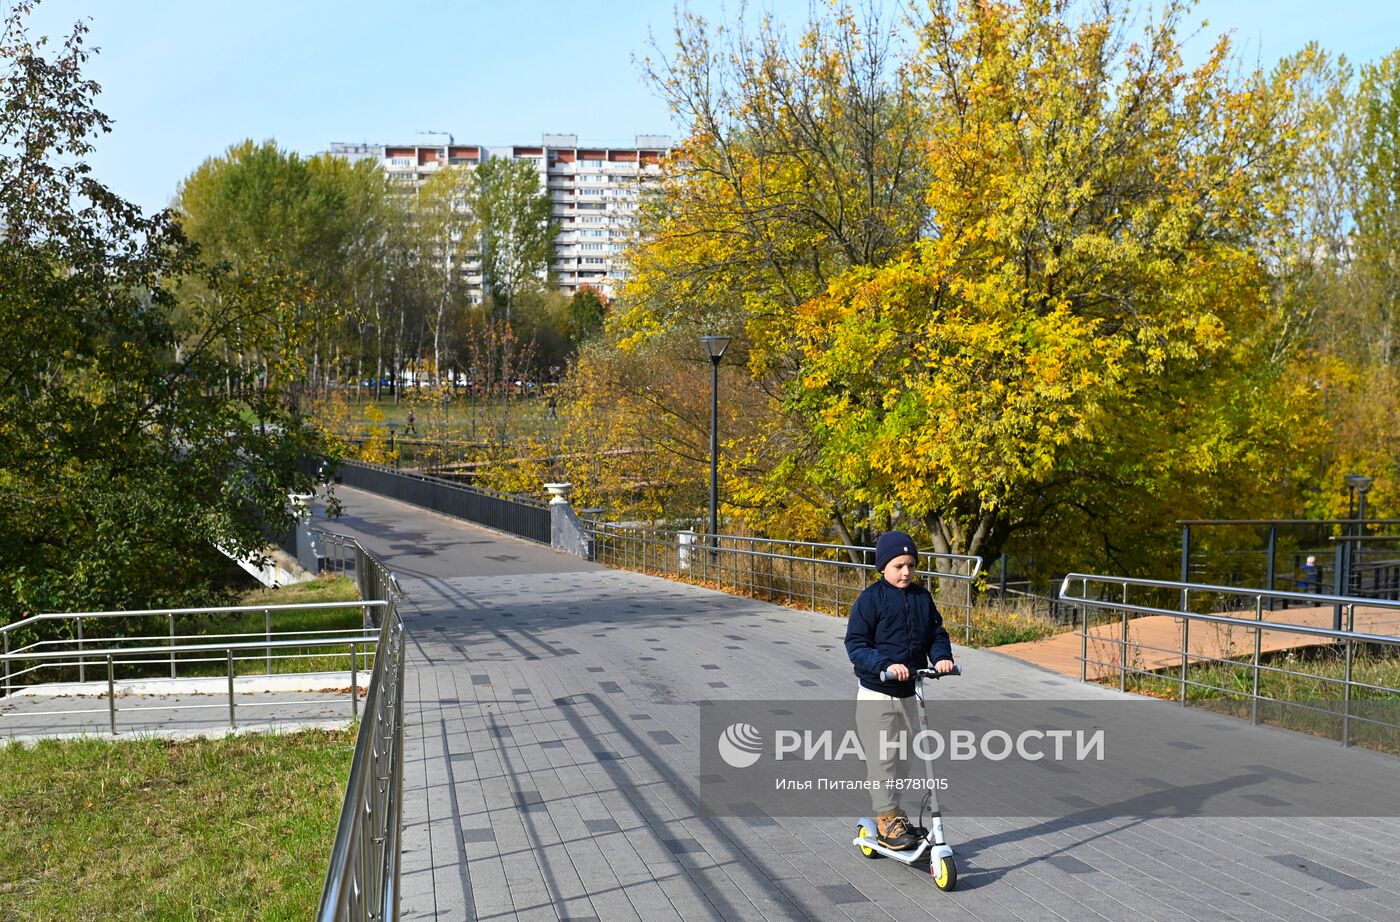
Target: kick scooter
x=933, y=845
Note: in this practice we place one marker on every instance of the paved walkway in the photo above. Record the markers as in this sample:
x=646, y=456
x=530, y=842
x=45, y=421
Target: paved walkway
x=551, y=768
x=26, y=718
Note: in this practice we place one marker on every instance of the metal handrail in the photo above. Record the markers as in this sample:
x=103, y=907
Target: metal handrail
x=824, y=578
x=974, y=563
x=362, y=876
x=1211, y=588
x=520, y=498
x=1346, y=639
x=9, y=630
x=170, y=640
x=1367, y=521
x=1283, y=627
x=103, y=653
x=153, y=612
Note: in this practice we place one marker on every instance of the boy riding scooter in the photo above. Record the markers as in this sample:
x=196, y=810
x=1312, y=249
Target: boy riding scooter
x=894, y=630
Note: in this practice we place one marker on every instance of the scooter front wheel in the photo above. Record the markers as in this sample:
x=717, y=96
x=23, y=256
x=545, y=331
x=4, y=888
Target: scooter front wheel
x=863, y=833
x=945, y=874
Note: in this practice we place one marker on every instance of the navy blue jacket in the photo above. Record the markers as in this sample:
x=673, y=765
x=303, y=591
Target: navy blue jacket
x=889, y=625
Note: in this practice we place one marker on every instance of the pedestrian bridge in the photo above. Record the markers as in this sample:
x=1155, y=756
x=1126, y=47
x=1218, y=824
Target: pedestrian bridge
x=552, y=767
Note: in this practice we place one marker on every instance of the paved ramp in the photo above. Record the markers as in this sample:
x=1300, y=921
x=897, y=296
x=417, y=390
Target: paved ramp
x=551, y=769
x=1156, y=641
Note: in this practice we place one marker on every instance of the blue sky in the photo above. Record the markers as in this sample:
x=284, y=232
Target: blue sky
x=183, y=79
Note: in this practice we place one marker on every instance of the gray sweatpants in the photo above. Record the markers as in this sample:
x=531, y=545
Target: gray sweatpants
x=877, y=714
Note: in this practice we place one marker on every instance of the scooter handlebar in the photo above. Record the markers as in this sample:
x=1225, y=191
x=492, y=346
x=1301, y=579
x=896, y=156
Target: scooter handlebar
x=922, y=674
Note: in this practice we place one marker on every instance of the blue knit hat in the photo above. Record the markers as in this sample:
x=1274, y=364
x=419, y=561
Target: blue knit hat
x=893, y=544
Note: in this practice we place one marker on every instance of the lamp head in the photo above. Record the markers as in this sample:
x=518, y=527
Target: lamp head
x=1359, y=482
x=715, y=346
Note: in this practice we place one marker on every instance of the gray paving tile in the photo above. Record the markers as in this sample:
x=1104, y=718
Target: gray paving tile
x=843, y=894
x=1069, y=864
x=1322, y=872
x=683, y=846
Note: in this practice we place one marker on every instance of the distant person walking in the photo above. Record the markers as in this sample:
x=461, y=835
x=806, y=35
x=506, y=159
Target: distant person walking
x=1311, y=579
x=409, y=427
x=551, y=404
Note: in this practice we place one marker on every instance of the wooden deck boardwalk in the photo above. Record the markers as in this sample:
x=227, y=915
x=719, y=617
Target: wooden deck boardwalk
x=1155, y=642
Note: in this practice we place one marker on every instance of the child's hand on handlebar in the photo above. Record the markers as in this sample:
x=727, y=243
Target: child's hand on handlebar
x=898, y=671
x=944, y=666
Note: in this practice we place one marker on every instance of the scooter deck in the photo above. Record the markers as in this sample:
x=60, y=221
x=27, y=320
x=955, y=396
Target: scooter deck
x=926, y=850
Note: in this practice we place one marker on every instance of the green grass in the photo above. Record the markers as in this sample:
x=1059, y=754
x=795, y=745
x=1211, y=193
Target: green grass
x=994, y=624
x=296, y=659
x=1306, y=680
x=235, y=828
x=1299, y=699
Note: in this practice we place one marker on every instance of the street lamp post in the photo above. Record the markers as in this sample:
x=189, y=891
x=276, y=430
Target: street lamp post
x=714, y=348
x=1362, y=486
x=1357, y=487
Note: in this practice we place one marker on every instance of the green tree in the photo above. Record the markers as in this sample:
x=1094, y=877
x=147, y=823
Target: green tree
x=123, y=463
x=375, y=262
x=1354, y=286
x=1376, y=210
x=447, y=234
x=260, y=209
x=586, y=312
x=517, y=230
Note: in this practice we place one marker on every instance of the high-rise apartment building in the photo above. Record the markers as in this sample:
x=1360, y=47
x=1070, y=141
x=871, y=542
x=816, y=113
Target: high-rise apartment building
x=594, y=191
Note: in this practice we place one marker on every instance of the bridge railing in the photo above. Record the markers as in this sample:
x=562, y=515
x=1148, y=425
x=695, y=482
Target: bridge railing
x=90, y=631
x=1230, y=649
x=121, y=664
x=524, y=516
x=362, y=877
x=817, y=576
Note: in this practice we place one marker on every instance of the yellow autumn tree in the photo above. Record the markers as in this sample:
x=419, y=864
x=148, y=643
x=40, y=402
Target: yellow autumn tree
x=1014, y=269
x=804, y=158
x=1082, y=343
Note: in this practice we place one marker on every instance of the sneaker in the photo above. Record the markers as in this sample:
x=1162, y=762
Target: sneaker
x=894, y=832
x=919, y=832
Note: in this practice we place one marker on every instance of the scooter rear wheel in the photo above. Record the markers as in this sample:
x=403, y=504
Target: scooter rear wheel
x=863, y=833
x=945, y=874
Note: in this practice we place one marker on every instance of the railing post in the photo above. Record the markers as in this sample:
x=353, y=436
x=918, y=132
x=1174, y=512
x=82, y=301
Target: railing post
x=6, y=636
x=233, y=724
x=1185, y=561
x=267, y=635
x=1123, y=653
x=111, y=694
x=1271, y=573
x=354, y=683
x=82, y=660
x=1338, y=582
x=171, y=616
x=1346, y=697
x=1258, y=649
x=1084, y=644
x=967, y=611
x=1185, y=652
